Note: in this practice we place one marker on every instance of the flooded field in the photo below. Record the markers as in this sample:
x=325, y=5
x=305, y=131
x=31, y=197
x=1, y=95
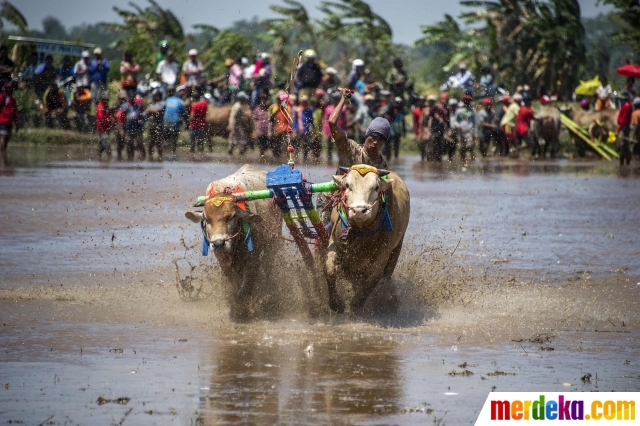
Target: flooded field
x=514, y=276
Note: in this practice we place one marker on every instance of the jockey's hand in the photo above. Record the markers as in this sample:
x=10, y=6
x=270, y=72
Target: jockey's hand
x=343, y=91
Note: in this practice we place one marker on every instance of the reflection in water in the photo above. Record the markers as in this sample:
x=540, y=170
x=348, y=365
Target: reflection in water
x=277, y=382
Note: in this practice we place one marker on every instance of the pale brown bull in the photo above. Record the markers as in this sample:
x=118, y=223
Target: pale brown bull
x=368, y=227
x=217, y=122
x=599, y=123
x=244, y=237
x=546, y=130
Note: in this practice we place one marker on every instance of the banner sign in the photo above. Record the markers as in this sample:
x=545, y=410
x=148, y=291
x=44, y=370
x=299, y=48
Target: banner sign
x=60, y=49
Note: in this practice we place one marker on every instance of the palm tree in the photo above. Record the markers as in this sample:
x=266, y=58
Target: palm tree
x=296, y=19
x=144, y=28
x=11, y=14
x=354, y=20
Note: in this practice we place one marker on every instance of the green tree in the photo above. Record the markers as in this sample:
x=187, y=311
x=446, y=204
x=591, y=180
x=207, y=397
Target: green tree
x=143, y=29
x=297, y=21
x=628, y=11
x=9, y=13
x=225, y=44
x=361, y=32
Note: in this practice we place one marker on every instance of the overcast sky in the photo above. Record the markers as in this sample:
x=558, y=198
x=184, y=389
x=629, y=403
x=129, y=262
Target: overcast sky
x=405, y=16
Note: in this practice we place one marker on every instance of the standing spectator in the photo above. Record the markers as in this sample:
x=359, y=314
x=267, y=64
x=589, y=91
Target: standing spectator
x=192, y=69
x=423, y=133
x=305, y=129
x=98, y=69
x=236, y=76
x=163, y=46
x=394, y=113
x=64, y=72
x=342, y=120
x=129, y=74
x=197, y=116
x=464, y=121
x=523, y=123
x=603, y=95
x=55, y=105
x=364, y=116
x=260, y=116
x=81, y=71
x=631, y=87
x=625, y=117
x=237, y=130
x=81, y=104
x=174, y=110
x=487, y=86
x=6, y=66
x=397, y=79
x=155, y=117
x=508, y=121
x=133, y=127
x=463, y=80
x=104, y=125
x=279, y=114
x=8, y=117
x=43, y=75
x=119, y=123
x=357, y=70
x=488, y=127
x=29, y=70
x=261, y=80
x=330, y=79
x=309, y=74
x=167, y=72
x=439, y=123
x=417, y=113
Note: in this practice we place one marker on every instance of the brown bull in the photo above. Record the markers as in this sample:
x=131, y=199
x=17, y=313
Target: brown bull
x=546, y=128
x=217, y=121
x=599, y=124
x=242, y=238
x=368, y=228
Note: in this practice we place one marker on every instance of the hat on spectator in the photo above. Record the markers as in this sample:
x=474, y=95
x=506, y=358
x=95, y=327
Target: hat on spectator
x=319, y=93
x=97, y=51
x=193, y=52
x=85, y=54
x=242, y=96
x=467, y=97
x=453, y=102
x=462, y=66
x=303, y=98
x=544, y=100
x=431, y=98
x=487, y=101
x=331, y=70
x=636, y=101
x=517, y=97
x=369, y=97
x=506, y=99
x=228, y=62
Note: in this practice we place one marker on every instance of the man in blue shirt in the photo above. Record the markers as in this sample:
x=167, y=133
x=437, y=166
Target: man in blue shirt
x=98, y=70
x=174, y=110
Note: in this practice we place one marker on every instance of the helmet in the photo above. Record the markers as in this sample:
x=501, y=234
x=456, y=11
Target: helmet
x=584, y=103
x=163, y=43
x=265, y=55
x=431, y=98
x=453, y=102
x=309, y=53
x=487, y=101
x=444, y=96
x=358, y=63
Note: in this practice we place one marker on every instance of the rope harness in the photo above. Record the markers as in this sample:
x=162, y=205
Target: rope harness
x=347, y=229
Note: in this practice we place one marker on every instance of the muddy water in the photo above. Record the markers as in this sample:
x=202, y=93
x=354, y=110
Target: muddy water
x=109, y=314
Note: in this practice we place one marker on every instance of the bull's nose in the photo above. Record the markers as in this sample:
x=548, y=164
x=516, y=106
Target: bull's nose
x=360, y=210
x=217, y=243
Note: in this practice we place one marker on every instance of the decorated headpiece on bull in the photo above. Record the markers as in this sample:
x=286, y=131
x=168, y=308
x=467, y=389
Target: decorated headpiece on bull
x=362, y=196
x=226, y=222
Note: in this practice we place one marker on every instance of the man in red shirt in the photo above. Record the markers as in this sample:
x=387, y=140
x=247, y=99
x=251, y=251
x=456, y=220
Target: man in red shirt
x=624, y=127
x=8, y=117
x=197, y=122
x=523, y=120
x=104, y=124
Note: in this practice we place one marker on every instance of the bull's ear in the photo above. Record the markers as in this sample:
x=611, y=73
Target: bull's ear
x=385, y=184
x=344, y=169
x=195, y=217
x=383, y=172
x=338, y=179
x=249, y=217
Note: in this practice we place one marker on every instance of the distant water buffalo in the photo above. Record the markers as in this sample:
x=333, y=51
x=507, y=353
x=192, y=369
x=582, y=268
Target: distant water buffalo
x=546, y=131
x=217, y=121
x=599, y=123
x=242, y=235
x=368, y=227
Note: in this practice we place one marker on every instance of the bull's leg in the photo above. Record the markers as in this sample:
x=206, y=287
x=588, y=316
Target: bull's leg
x=330, y=273
x=362, y=291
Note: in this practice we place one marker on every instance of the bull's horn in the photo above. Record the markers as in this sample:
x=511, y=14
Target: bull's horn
x=344, y=169
x=383, y=172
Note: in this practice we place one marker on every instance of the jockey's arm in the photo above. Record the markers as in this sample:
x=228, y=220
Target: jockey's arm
x=337, y=134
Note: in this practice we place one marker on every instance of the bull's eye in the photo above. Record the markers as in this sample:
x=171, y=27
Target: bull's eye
x=346, y=186
x=377, y=187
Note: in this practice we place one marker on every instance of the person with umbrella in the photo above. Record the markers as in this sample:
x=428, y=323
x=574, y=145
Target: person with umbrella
x=603, y=94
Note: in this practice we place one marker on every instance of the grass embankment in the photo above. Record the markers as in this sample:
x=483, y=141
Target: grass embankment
x=46, y=136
